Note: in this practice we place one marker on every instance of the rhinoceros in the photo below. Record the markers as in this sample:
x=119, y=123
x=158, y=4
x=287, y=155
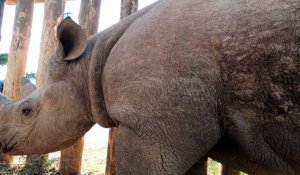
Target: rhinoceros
x=182, y=80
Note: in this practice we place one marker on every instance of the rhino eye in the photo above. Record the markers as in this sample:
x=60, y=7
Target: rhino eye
x=26, y=109
x=26, y=112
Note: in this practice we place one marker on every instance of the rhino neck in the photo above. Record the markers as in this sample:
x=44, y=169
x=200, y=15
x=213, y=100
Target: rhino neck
x=98, y=59
x=104, y=43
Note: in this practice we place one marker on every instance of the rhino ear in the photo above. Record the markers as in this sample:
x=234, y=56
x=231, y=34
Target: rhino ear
x=26, y=87
x=71, y=38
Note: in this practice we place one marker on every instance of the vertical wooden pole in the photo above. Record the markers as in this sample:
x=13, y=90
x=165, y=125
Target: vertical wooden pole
x=89, y=16
x=18, y=51
x=111, y=162
x=70, y=159
x=1, y=15
x=127, y=7
x=52, y=10
x=19, y=48
x=70, y=162
x=225, y=170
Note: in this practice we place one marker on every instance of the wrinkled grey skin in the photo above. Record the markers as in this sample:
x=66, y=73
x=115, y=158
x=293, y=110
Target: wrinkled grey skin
x=182, y=80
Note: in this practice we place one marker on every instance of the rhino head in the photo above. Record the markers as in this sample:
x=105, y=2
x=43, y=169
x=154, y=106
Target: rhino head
x=55, y=115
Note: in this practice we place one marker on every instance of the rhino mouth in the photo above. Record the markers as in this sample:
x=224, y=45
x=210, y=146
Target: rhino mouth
x=8, y=146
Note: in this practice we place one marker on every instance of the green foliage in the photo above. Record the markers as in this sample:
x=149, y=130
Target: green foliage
x=30, y=76
x=5, y=168
x=38, y=165
x=212, y=167
x=3, y=59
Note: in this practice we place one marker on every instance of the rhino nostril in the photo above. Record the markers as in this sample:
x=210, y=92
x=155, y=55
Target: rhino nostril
x=4, y=149
x=7, y=148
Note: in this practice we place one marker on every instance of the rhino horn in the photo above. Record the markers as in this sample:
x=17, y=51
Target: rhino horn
x=4, y=100
x=26, y=87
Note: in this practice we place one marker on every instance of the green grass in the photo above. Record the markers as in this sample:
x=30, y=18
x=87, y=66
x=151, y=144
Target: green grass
x=214, y=168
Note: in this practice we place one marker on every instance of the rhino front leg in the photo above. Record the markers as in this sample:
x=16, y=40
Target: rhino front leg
x=152, y=151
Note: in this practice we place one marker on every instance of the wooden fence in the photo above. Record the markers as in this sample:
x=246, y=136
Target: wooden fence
x=70, y=162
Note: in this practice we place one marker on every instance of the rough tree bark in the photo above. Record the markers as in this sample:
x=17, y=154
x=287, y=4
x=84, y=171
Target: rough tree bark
x=13, y=2
x=52, y=10
x=19, y=47
x=225, y=170
x=89, y=16
x=111, y=163
x=1, y=15
x=70, y=162
x=18, y=51
x=127, y=7
x=70, y=159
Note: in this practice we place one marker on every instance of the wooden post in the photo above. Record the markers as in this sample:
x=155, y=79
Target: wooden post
x=127, y=7
x=225, y=170
x=89, y=16
x=111, y=162
x=70, y=162
x=17, y=56
x=70, y=159
x=1, y=14
x=18, y=50
x=52, y=10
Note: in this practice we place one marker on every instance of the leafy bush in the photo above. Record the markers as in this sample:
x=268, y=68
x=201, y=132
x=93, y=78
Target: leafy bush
x=35, y=167
x=3, y=59
x=30, y=76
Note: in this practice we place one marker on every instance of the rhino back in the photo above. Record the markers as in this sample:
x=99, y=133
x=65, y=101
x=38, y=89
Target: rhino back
x=250, y=48
x=162, y=52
